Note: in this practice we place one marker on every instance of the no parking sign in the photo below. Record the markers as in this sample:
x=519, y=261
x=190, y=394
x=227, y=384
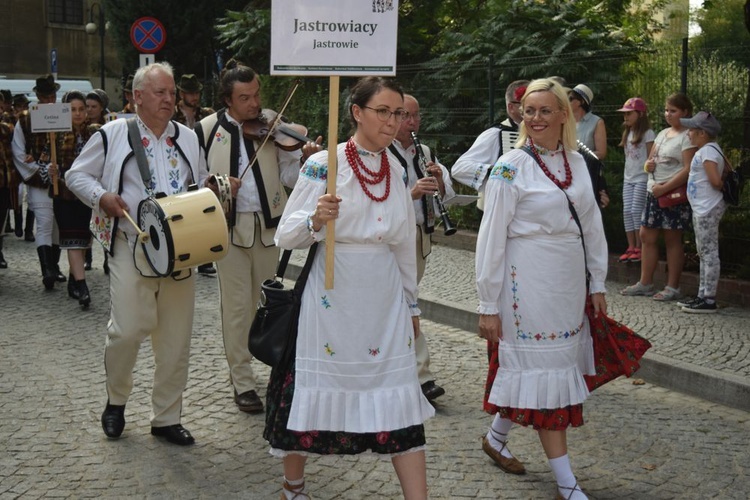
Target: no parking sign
x=148, y=35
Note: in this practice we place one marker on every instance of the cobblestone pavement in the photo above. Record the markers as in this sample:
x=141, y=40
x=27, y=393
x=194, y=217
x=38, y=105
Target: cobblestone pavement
x=640, y=441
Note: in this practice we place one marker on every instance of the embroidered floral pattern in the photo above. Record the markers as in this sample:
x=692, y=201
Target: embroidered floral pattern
x=373, y=352
x=101, y=228
x=314, y=170
x=276, y=202
x=279, y=404
x=504, y=171
x=325, y=302
x=540, y=336
x=171, y=156
x=478, y=177
x=222, y=138
x=329, y=350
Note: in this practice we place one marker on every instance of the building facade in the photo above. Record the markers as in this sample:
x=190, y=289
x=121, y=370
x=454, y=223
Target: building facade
x=31, y=29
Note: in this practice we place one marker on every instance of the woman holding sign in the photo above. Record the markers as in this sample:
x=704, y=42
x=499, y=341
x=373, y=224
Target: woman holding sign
x=71, y=214
x=354, y=385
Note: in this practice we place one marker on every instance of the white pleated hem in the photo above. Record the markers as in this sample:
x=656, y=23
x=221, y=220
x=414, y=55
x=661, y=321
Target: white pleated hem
x=358, y=411
x=539, y=389
x=278, y=453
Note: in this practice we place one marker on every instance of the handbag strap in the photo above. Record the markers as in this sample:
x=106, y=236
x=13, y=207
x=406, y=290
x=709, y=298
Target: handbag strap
x=299, y=285
x=573, y=213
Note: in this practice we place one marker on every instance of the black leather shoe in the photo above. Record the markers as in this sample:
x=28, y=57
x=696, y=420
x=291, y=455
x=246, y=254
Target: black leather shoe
x=113, y=420
x=175, y=434
x=3, y=264
x=207, y=269
x=431, y=390
x=249, y=402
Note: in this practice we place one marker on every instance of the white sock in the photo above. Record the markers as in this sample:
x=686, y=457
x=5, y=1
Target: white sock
x=565, y=479
x=498, y=435
x=297, y=486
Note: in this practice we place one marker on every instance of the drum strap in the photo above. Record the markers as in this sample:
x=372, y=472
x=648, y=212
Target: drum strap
x=140, y=155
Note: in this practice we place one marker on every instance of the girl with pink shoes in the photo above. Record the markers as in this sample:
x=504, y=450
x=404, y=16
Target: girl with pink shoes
x=637, y=139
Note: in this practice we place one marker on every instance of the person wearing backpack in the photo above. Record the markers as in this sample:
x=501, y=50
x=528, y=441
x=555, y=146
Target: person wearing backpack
x=704, y=194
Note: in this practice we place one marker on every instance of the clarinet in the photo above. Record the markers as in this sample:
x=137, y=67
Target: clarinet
x=448, y=226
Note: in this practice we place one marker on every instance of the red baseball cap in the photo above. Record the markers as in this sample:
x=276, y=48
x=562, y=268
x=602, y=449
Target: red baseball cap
x=634, y=104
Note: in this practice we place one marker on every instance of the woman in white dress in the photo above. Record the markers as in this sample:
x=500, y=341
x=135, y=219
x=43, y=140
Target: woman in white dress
x=353, y=386
x=532, y=284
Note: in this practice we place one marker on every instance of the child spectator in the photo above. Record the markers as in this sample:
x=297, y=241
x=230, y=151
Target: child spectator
x=707, y=202
x=637, y=139
x=668, y=166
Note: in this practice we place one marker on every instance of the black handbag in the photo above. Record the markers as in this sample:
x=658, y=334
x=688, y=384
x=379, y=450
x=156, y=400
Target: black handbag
x=273, y=333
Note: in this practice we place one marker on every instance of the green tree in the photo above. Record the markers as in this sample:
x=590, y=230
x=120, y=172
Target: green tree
x=190, y=42
x=247, y=34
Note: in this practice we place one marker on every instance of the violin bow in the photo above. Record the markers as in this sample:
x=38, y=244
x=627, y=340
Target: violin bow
x=287, y=100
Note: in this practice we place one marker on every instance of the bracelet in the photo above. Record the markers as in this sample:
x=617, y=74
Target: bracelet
x=310, y=226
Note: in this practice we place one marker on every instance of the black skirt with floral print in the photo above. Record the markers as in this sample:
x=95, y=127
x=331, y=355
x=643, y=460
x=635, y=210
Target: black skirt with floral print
x=278, y=406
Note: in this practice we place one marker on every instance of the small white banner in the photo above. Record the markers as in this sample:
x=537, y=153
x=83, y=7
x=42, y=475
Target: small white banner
x=50, y=117
x=334, y=37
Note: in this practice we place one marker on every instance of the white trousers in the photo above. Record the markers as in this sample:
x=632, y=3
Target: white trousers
x=46, y=227
x=141, y=307
x=241, y=273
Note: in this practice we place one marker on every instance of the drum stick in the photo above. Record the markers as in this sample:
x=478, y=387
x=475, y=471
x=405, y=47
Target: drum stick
x=53, y=157
x=333, y=139
x=142, y=235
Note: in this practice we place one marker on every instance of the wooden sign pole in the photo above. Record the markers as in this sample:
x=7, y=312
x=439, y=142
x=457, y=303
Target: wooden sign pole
x=53, y=159
x=333, y=139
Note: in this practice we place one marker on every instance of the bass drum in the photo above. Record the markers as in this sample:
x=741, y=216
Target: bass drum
x=184, y=230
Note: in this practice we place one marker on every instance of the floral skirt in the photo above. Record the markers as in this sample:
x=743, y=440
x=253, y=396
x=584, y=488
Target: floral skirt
x=279, y=404
x=557, y=419
x=617, y=351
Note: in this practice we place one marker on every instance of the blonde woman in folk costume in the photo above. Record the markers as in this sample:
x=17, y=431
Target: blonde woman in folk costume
x=531, y=282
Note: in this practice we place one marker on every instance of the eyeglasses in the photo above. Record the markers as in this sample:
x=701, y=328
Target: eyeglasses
x=545, y=113
x=384, y=114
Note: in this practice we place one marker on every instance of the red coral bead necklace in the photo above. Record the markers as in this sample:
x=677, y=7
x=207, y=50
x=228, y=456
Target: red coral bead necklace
x=568, y=174
x=366, y=176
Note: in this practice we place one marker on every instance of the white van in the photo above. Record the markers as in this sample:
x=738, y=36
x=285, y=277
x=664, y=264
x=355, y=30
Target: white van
x=25, y=87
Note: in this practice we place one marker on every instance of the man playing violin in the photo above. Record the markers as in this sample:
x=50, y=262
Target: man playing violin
x=261, y=169
x=423, y=186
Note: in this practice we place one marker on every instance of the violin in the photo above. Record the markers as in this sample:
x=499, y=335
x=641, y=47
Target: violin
x=286, y=135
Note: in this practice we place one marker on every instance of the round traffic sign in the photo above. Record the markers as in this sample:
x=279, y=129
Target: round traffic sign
x=148, y=35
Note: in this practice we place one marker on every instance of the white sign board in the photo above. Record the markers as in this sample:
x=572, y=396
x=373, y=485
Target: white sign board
x=145, y=59
x=117, y=116
x=334, y=37
x=50, y=117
